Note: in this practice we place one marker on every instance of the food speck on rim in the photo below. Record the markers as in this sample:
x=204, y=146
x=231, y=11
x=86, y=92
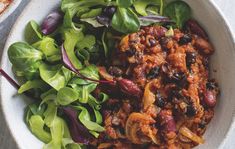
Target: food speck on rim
x=4, y=4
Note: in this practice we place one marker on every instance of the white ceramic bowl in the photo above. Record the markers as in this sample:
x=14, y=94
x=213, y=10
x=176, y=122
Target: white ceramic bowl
x=9, y=10
x=219, y=131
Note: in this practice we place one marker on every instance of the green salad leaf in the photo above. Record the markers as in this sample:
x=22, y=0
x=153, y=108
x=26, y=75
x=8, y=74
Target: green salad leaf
x=66, y=96
x=83, y=55
x=179, y=11
x=84, y=92
x=33, y=109
x=57, y=132
x=47, y=96
x=120, y=23
x=68, y=143
x=87, y=42
x=85, y=119
x=142, y=5
x=72, y=36
x=90, y=71
x=49, y=48
x=50, y=113
x=25, y=59
x=88, y=49
x=37, y=127
x=34, y=84
x=32, y=32
x=93, y=21
x=54, y=75
x=108, y=42
x=124, y=3
x=92, y=13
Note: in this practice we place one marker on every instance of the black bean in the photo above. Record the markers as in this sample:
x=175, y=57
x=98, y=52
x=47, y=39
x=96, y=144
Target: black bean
x=164, y=41
x=152, y=42
x=153, y=73
x=109, y=11
x=160, y=101
x=165, y=68
x=179, y=78
x=185, y=39
x=206, y=63
x=191, y=111
x=202, y=124
x=130, y=52
x=175, y=93
x=211, y=85
x=115, y=71
x=190, y=58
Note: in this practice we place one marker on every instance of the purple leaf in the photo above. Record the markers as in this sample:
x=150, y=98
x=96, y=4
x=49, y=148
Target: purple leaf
x=109, y=11
x=69, y=65
x=150, y=19
x=78, y=132
x=66, y=60
x=51, y=22
x=106, y=16
x=155, y=18
x=104, y=20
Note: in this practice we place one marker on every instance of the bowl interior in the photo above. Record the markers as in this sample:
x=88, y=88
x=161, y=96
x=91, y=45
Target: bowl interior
x=222, y=69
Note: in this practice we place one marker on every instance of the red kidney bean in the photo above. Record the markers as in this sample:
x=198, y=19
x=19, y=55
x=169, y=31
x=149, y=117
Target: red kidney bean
x=167, y=121
x=193, y=27
x=129, y=88
x=210, y=98
x=160, y=32
x=204, y=46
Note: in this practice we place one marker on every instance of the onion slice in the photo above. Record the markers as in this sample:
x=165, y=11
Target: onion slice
x=192, y=136
x=149, y=97
x=133, y=128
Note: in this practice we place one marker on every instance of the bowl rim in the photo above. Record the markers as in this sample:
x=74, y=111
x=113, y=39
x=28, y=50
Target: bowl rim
x=227, y=25
x=9, y=10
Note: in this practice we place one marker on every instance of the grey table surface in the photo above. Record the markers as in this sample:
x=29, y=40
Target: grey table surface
x=6, y=140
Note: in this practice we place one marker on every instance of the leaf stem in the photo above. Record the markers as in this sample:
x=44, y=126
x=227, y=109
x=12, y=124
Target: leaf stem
x=70, y=66
x=9, y=79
